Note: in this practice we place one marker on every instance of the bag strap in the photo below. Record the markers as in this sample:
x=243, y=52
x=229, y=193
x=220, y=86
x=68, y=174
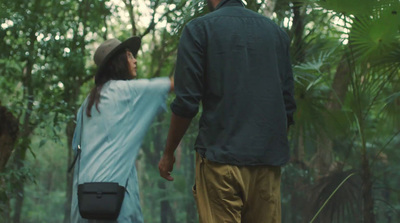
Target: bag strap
x=78, y=152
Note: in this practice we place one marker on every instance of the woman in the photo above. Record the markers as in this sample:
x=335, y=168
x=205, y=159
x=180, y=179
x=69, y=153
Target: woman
x=116, y=115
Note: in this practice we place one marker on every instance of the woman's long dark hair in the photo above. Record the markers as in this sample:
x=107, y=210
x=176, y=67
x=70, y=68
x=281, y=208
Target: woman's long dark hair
x=115, y=69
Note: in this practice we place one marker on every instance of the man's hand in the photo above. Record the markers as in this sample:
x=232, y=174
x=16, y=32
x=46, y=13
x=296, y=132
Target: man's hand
x=166, y=165
x=177, y=129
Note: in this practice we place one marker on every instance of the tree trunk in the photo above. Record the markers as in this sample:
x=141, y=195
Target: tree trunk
x=340, y=84
x=323, y=159
x=19, y=159
x=368, y=206
x=368, y=202
x=299, y=150
x=297, y=31
x=9, y=128
x=20, y=155
x=342, y=79
x=167, y=215
x=26, y=131
x=130, y=9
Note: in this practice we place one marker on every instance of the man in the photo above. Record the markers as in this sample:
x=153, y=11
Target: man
x=236, y=63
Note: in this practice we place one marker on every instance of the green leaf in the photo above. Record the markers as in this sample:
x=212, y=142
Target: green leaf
x=42, y=142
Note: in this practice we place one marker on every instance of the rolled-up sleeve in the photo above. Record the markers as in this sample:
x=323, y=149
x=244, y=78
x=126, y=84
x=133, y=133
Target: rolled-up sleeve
x=189, y=73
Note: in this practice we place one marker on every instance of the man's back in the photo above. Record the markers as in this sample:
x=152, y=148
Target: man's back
x=239, y=68
x=236, y=63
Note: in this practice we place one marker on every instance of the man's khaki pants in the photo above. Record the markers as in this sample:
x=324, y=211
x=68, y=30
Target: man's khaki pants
x=237, y=194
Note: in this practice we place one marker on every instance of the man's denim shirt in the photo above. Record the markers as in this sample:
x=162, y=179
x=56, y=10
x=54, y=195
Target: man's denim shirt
x=236, y=63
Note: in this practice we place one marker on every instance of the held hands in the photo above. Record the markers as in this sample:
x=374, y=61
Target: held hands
x=166, y=165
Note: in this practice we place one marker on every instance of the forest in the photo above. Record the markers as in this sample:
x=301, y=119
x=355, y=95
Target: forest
x=345, y=157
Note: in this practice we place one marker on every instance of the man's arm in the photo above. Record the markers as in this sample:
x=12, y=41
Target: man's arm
x=172, y=87
x=177, y=129
x=189, y=92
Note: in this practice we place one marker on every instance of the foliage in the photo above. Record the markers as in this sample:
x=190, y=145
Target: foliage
x=346, y=64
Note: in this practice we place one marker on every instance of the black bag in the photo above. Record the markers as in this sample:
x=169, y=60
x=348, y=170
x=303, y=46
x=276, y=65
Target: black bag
x=100, y=200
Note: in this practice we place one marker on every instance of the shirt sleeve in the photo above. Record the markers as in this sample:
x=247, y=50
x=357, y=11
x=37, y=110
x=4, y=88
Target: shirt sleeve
x=156, y=91
x=287, y=80
x=189, y=73
x=158, y=86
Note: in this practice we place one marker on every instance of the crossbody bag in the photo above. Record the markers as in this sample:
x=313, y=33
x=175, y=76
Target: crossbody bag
x=98, y=200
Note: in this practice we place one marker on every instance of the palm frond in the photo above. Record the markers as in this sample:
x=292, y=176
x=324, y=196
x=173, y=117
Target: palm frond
x=373, y=36
x=344, y=205
x=312, y=94
x=390, y=112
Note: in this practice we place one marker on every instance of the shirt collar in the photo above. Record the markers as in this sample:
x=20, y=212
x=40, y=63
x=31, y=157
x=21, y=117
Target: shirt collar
x=224, y=3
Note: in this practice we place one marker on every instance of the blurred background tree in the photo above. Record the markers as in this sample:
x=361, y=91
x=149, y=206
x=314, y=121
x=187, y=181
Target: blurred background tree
x=346, y=60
